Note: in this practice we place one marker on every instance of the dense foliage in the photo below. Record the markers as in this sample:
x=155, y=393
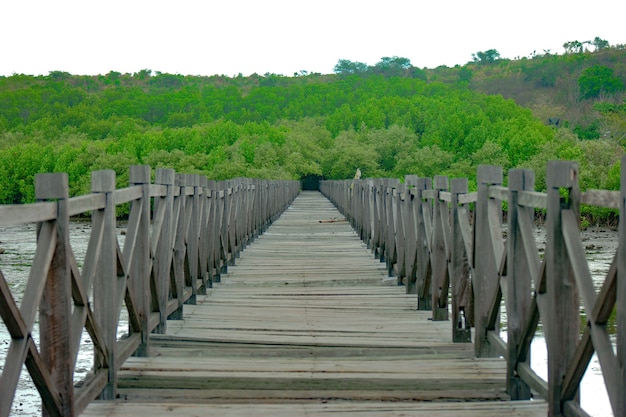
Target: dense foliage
x=388, y=120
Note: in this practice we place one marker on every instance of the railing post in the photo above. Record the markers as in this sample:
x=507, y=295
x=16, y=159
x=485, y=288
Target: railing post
x=106, y=297
x=621, y=293
x=164, y=252
x=203, y=234
x=410, y=232
x=459, y=268
x=180, y=224
x=213, y=232
x=378, y=248
x=486, y=278
x=562, y=324
x=389, y=226
x=518, y=297
x=399, y=206
x=226, y=206
x=55, y=305
x=193, y=237
x=439, y=252
x=424, y=238
x=369, y=211
x=140, y=266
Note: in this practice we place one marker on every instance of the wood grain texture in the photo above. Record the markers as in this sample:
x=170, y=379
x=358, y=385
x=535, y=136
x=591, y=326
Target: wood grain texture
x=308, y=322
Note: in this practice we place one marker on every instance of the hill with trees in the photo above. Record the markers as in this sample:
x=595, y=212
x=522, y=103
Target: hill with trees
x=390, y=119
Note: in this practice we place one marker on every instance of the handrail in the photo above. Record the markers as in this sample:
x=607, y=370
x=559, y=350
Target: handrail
x=181, y=224
x=437, y=238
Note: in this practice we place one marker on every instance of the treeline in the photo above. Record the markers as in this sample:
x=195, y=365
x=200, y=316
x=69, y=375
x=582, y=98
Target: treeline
x=272, y=126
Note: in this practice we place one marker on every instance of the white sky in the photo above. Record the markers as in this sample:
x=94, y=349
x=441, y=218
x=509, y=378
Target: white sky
x=205, y=37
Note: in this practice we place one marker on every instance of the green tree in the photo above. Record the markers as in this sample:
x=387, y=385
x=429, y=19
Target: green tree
x=486, y=57
x=600, y=43
x=347, y=154
x=425, y=162
x=573, y=47
x=347, y=67
x=598, y=79
x=393, y=66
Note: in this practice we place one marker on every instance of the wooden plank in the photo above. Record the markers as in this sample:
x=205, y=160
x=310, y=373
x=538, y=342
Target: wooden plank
x=561, y=324
x=364, y=409
x=601, y=198
x=85, y=203
x=333, y=341
x=55, y=304
x=27, y=213
x=620, y=296
x=518, y=292
x=532, y=199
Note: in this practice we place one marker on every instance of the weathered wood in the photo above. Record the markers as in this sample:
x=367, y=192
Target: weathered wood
x=486, y=263
x=325, y=407
x=29, y=213
x=55, y=305
x=440, y=252
x=518, y=294
x=459, y=267
x=206, y=226
x=106, y=285
x=164, y=207
x=620, y=399
x=423, y=213
x=562, y=323
x=336, y=340
x=601, y=198
x=137, y=252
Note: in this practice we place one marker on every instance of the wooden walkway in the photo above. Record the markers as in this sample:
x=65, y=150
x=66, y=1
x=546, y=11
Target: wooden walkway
x=307, y=323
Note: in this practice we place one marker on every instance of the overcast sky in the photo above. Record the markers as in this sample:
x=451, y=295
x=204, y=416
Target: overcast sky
x=196, y=37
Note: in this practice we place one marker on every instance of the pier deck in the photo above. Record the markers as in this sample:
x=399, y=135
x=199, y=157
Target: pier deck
x=308, y=323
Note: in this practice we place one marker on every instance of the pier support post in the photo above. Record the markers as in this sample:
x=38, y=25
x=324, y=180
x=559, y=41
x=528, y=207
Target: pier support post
x=562, y=324
x=56, y=300
x=164, y=207
x=621, y=294
x=108, y=283
x=459, y=268
x=519, y=288
x=140, y=266
x=439, y=254
x=486, y=275
x=424, y=238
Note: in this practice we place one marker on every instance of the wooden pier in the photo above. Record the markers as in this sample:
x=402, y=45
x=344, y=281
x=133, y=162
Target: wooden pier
x=374, y=297
x=308, y=322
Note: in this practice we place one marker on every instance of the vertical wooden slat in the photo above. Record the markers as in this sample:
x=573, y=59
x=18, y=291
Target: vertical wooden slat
x=410, y=233
x=106, y=308
x=439, y=255
x=518, y=296
x=424, y=267
x=179, y=254
x=203, y=234
x=163, y=261
x=140, y=266
x=399, y=217
x=193, y=237
x=389, y=225
x=621, y=295
x=486, y=278
x=459, y=268
x=55, y=305
x=562, y=322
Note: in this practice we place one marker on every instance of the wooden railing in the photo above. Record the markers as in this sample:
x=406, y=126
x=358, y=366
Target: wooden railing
x=183, y=231
x=448, y=246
